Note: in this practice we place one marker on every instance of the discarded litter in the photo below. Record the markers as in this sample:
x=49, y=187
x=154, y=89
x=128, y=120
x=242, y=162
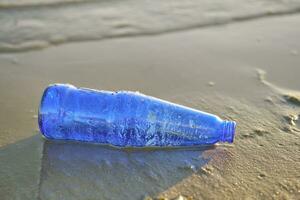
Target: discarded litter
x=126, y=119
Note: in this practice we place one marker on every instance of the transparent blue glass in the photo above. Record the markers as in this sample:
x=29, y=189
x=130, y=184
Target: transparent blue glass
x=126, y=119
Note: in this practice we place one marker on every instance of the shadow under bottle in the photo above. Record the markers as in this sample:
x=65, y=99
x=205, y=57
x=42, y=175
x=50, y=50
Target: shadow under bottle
x=85, y=171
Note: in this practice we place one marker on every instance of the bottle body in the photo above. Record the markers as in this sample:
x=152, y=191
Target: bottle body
x=126, y=119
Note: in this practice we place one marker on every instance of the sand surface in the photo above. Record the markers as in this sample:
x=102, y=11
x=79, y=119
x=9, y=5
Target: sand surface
x=247, y=72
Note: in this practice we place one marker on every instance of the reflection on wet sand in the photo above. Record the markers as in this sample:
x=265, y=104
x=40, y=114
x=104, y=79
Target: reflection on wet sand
x=20, y=165
x=85, y=171
x=35, y=168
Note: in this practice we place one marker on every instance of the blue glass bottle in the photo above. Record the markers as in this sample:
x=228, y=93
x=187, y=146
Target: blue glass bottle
x=126, y=119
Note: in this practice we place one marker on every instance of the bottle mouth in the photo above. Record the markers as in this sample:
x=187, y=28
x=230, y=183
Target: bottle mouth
x=228, y=131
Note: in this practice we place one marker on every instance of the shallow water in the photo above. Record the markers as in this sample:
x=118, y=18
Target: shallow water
x=35, y=168
x=30, y=24
x=98, y=170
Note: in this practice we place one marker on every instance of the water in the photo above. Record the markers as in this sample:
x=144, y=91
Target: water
x=38, y=169
x=30, y=24
x=81, y=171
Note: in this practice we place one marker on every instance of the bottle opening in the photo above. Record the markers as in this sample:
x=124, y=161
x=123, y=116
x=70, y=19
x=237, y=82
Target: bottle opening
x=228, y=131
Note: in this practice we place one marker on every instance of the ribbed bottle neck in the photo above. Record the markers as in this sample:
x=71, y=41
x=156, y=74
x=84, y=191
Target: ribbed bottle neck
x=228, y=128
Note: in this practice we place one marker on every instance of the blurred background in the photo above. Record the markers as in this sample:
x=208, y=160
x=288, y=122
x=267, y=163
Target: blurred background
x=238, y=59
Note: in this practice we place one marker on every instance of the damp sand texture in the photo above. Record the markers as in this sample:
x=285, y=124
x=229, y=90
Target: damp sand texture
x=246, y=71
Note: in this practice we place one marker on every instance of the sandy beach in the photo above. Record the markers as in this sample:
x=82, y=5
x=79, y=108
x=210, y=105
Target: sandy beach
x=245, y=71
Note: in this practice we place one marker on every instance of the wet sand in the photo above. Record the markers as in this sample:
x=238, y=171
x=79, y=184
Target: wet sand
x=247, y=72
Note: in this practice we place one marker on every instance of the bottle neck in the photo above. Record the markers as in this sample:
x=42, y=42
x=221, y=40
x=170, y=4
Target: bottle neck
x=228, y=130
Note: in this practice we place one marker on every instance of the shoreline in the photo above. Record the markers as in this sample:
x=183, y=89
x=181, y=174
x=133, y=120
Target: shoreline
x=218, y=70
x=126, y=31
